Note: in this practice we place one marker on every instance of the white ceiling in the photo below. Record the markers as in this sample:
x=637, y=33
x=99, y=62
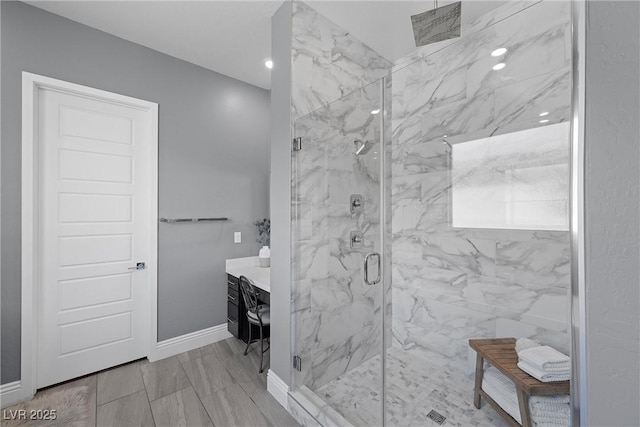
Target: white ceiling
x=234, y=37
x=230, y=37
x=385, y=26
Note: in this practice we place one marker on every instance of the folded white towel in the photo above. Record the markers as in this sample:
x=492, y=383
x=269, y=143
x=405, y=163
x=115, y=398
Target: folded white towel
x=552, y=369
x=544, y=357
x=506, y=403
x=525, y=343
x=502, y=390
x=542, y=375
x=550, y=400
x=550, y=419
x=549, y=424
x=539, y=370
x=511, y=407
x=551, y=410
x=500, y=381
x=559, y=409
x=550, y=416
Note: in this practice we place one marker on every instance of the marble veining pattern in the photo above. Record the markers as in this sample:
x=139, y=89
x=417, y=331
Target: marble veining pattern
x=449, y=284
x=328, y=61
x=414, y=387
x=336, y=316
x=455, y=283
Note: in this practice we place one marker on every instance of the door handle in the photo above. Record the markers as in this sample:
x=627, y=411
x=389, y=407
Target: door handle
x=366, y=269
x=139, y=266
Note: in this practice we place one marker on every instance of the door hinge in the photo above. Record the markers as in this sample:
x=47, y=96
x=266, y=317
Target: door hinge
x=297, y=363
x=297, y=144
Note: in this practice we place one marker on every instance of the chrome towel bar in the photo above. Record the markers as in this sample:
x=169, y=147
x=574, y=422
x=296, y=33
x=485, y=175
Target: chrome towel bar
x=175, y=220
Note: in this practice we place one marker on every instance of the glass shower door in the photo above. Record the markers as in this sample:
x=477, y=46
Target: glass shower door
x=337, y=264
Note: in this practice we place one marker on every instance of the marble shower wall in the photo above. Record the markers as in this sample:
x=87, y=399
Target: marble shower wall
x=452, y=284
x=327, y=62
x=335, y=316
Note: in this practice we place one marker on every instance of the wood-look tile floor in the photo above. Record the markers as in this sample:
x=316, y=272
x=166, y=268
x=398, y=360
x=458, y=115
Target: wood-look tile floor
x=214, y=385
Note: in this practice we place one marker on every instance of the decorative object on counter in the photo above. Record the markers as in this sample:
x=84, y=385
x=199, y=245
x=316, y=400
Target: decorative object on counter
x=264, y=257
x=264, y=238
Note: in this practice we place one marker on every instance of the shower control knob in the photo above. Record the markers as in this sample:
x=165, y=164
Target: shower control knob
x=356, y=203
x=356, y=239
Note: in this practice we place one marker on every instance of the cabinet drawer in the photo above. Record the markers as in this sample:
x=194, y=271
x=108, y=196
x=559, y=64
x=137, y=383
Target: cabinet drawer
x=233, y=296
x=233, y=312
x=233, y=282
x=233, y=328
x=233, y=322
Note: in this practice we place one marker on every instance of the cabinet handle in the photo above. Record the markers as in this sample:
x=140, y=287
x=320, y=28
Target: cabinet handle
x=231, y=320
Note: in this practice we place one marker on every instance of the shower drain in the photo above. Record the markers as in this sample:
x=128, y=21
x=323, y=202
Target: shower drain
x=436, y=417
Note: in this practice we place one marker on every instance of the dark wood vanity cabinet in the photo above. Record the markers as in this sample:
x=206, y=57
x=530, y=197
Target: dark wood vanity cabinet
x=237, y=322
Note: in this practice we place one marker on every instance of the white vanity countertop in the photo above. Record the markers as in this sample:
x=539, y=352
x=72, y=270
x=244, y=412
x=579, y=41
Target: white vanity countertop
x=250, y=268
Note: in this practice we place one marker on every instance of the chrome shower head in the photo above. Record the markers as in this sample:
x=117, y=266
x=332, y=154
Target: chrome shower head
x=363, y=147
x=441, y=23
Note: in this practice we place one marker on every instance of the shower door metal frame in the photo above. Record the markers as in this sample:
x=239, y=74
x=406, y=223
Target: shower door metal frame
x=382, y=281
x=576, y=215
x=382, y=261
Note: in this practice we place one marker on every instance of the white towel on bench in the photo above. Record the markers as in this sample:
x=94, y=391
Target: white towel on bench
x=542, y=375
x=545, y=410
x=545, y=358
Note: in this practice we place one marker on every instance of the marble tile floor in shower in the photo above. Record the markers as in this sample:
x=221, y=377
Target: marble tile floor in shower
x=414, y=388
x=215, y=385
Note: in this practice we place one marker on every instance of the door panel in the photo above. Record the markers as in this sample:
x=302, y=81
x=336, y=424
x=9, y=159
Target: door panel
x=83, y=166
x=76, y=208
x=90, y=124
x=91, y=291
x=94, y=207
x=336, y=222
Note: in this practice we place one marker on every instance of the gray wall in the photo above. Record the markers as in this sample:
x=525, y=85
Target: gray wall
x=214, y=160
x=612, y=214
x=281, y=192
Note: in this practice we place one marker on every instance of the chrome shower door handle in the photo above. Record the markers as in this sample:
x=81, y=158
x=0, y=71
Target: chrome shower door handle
x=366, y=268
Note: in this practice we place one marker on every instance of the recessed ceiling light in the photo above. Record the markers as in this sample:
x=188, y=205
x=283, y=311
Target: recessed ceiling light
x=376, y=111
x=546, y=113
x=544, y=121
x=499, y=66
x=499, y=52
x=268, y=63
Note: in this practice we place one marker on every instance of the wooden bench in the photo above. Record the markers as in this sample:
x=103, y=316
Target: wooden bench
x=501, y=353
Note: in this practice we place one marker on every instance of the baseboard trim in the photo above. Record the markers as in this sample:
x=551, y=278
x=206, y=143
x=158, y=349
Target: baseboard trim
x=278, y=388
x=190, y=341
x=11, y=393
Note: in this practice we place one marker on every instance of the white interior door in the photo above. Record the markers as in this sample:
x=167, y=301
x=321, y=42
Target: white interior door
x=95, y=193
